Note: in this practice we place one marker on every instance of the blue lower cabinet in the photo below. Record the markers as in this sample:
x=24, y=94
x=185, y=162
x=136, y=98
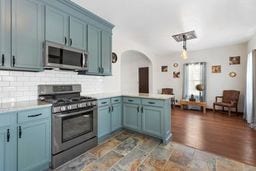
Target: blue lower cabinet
x=152, y=120
x=109, y=116
x=8, y=141
x=131, y=116
x=25, y=140
x=104, y=121
x=34, y=145
x=116, y=117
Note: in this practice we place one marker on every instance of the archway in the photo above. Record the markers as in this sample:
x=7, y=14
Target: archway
x=131, y=61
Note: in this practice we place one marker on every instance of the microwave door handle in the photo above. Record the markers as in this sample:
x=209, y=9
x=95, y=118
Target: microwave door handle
x=83, y=60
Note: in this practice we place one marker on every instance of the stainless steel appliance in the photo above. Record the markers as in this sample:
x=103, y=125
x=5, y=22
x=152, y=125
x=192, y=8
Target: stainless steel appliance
x=64, y=57
x=74, y=121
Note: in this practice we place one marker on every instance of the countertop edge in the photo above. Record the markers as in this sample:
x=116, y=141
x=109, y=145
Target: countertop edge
x=24, y=105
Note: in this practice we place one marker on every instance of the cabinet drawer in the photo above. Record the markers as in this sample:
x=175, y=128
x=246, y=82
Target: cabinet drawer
x=152, y=102
x=35, y=114
x=131, y=100
x=115, y=100
x=103, y=102
x=7, y=119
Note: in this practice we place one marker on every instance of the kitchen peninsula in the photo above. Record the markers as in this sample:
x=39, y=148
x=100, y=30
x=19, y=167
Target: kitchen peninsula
x=148, y=114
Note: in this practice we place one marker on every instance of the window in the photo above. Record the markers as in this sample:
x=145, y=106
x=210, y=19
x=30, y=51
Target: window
x=194, y=74
x=194, y=78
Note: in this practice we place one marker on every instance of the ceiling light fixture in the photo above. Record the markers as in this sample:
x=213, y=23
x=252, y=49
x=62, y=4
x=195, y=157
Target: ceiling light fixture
x=184, y=53
x=184, y=37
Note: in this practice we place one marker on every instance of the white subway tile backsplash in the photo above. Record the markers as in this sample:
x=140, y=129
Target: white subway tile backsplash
x=21, y=86
x=8, y=78
x=4, y=83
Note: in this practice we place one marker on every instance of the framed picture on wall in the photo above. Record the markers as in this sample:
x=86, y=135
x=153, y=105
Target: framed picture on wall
x=216, y=69
x=164, y=68
x=234, y=60
x=176, y=74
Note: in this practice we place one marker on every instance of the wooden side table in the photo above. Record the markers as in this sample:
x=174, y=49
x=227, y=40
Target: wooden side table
x=193, y=103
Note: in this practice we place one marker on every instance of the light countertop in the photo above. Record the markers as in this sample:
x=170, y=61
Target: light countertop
x=140, y=95
x=23, y=105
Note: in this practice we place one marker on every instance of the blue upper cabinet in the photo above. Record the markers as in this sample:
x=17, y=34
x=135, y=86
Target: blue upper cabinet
x=26, y=24
x=106, y=53
x=64, y=29
x=100, y=52
x=27, y=34
x=5, y=33
x=93, y=50
x=8, y=142
x=78, y=33
x=56, y=26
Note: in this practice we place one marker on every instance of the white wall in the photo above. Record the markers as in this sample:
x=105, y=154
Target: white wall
x=131, y=61
x=251, y=44
x=216, y=83
x=22, y=86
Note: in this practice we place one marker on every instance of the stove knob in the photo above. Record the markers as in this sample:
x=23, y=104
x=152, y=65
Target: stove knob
x=88, y=104
x=94, y=103
x=62, y=108
x=69, y=107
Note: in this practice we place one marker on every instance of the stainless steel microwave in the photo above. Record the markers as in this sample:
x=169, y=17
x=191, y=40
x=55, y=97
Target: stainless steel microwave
x=64, y=57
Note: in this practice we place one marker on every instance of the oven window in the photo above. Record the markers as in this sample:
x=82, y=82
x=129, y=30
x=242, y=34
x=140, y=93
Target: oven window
x=76, y=126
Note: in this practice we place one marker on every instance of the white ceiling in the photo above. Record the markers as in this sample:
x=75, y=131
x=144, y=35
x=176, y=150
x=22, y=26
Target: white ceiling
x=152, y=22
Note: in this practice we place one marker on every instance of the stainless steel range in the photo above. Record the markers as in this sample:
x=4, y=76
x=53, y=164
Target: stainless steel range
x=74, y=121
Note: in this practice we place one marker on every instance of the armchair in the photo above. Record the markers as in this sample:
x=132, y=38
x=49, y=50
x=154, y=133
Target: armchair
x=229, y=99
x=169, y=91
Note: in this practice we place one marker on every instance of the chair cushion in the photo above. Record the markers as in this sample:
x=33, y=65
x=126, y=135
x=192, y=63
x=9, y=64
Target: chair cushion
x=224, y=104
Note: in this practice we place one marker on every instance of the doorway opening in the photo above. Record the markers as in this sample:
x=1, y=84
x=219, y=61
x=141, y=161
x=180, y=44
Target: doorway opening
x=144, y=80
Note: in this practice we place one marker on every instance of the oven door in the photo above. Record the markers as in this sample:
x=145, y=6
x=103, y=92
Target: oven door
x=70, y=129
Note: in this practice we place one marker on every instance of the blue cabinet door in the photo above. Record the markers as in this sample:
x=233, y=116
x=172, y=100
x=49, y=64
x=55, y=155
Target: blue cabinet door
x=77, y=33
x=152, y=120
x=56, y=26
x=106, y=52
x=7, y=149
x=34, y=145
x=27, y=34
x=8, y=142
x=116, y=117
x=5, y=33
x=131, y=116
x=93, y=50
x=104, y=120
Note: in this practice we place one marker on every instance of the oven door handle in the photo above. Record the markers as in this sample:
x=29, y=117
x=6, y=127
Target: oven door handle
x=73, y=114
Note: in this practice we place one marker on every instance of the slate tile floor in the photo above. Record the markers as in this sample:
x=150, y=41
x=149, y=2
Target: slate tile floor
x=130, y=151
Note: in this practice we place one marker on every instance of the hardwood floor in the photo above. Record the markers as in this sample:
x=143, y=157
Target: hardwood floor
x=216, y=133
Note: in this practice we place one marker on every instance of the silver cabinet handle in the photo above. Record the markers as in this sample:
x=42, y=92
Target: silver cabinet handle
x=86, y=116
